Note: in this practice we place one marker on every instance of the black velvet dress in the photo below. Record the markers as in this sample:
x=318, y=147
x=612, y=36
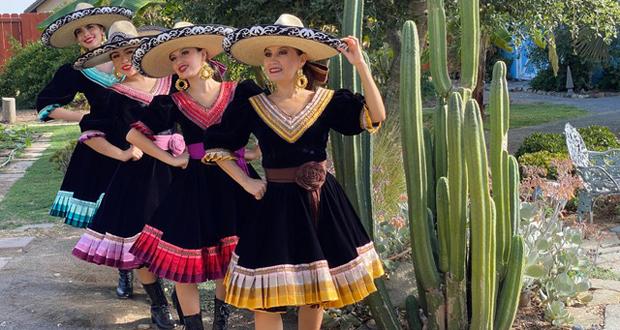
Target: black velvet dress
x=291, y=253
x=89, y=172
x=137, y=187
x=192, y=234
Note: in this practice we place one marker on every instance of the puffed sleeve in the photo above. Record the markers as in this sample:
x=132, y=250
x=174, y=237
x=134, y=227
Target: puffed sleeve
x=233, y=131
x=58, y=92
x=92, y=127
x=348, y=114
x=159, y=116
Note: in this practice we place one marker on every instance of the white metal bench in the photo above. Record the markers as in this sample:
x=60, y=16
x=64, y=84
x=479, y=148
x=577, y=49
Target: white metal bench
x=599, y=171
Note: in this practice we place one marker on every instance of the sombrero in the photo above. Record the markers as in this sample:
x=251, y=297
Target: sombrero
x=248, y=44
x=60, y=33
x=152, y=56
x=121, y=35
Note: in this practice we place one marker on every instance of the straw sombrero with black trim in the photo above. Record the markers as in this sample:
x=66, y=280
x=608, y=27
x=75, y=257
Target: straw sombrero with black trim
x=152, y=56
x=248, y=44
x=60, y=33
x=122, y=34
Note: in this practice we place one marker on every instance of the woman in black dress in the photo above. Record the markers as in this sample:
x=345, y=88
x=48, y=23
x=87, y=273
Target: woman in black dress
x=137, y=187
x=305, y=245
x=193, y=232
x=88, y=173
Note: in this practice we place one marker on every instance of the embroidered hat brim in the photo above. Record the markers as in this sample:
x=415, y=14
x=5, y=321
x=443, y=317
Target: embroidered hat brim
x=247, y=45
x=60, y=33
x=102, y=54
x=152, y=57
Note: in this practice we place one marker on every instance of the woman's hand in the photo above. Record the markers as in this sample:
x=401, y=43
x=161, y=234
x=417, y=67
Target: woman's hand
x=255, y=187
x=180, y=161
x=252, y=153
x=132, y=153
x=353, y=51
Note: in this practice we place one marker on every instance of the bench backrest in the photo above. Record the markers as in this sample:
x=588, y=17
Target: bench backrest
x=576, y=147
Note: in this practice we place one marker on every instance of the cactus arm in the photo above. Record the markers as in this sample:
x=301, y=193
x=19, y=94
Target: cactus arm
x=438, y=47
x=511, y=287
x=470, y=42
x=443, y=219
x=415, y=172
x=499, y=169
x=482, y=229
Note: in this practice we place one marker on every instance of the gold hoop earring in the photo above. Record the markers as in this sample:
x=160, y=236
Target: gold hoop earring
x=302, y=80
x=181, y=84
x=270, y=86
x=119, y=76
x=206, y=72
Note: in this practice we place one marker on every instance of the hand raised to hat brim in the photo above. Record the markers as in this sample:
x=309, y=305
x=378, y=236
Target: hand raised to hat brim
x=352, y=51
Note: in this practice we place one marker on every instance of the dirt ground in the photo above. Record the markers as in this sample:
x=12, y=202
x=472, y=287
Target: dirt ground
x=44, y=287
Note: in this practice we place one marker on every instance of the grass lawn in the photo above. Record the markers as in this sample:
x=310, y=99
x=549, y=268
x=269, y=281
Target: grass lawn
x=533, y=114
x=522, y=115
x=29, y=199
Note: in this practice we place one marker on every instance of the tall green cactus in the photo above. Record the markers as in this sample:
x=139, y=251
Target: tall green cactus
x=457, y=176
x=414, y=158
x=481, y=220
x=499, y=164
x=457, y=162
x=352, y=160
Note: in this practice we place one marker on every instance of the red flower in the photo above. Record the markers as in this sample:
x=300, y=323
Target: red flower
x=311, y=175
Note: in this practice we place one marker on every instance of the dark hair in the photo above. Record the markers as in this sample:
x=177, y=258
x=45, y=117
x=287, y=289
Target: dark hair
x=316, y=73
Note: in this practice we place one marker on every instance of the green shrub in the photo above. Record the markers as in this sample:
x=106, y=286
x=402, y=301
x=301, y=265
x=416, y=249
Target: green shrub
x=30, y=69
x=597, y=138
x=62, y=156
x=550, y=142
x=542, y=159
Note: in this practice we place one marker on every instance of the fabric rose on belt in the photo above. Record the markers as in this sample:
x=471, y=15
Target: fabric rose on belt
x=176, y=144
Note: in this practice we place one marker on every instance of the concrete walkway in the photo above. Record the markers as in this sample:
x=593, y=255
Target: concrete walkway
x=16, y=169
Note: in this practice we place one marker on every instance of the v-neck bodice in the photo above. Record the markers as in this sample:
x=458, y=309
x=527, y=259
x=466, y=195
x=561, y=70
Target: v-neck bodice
x=286, y=141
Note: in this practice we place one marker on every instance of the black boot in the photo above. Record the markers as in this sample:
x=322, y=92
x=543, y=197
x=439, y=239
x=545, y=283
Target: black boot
x=160, y=312
x=220, y=315
x=193, y=322
x=124, y=289
x=177, y=306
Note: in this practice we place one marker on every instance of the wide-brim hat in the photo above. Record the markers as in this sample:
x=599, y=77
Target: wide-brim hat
x=152, y=56
x=248, y=44
x=60, y=33
x=122, y=34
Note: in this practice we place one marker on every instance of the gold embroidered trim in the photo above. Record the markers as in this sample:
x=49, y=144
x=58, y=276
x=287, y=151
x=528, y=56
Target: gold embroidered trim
x=291, y=128
x=305, y=284
x=217, y=154
x=366, y=122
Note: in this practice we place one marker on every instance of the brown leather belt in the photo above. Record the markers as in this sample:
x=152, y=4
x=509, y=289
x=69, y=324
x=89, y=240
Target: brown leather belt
x=310, y=176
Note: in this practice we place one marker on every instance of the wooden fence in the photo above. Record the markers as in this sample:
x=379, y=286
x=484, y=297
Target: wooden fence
x=21, y=27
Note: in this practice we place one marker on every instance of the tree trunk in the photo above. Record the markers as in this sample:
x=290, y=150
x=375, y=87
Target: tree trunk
x=478, y=93
x=417, y=11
